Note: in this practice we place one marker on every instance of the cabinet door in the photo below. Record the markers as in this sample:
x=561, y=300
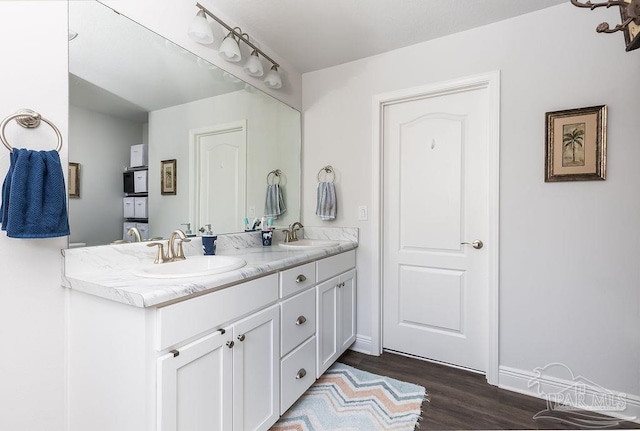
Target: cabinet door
x=195, y=387
x=347, y=310
x=256, y=371
x=327, y=326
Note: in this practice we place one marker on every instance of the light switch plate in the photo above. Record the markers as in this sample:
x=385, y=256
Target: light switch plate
x=363, y=213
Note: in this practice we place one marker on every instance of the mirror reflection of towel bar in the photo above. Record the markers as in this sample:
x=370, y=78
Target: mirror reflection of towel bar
x=28, y=119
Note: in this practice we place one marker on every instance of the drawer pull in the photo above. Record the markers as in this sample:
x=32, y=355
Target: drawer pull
x=301, y=278
x=230, y=344
x=241, y=337
x=300, y=320
x=301, y=373
x=175, y=353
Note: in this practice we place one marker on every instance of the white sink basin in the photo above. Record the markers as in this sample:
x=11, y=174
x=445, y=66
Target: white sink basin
x=195, y=266
x=309, y=243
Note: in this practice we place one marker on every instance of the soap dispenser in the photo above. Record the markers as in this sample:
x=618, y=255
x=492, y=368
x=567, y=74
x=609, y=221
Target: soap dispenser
x=209, y=241
x=187, y=231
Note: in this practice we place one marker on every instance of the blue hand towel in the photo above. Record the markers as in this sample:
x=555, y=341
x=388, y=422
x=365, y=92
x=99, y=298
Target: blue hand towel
x=326, y=201
x=274, y=205
x=34, y=201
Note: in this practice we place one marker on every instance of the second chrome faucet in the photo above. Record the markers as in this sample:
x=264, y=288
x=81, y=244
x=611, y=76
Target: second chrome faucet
x=174, y=248
x=291, y=234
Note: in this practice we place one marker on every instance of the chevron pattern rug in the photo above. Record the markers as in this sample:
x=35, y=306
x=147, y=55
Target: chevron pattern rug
x=348, y=399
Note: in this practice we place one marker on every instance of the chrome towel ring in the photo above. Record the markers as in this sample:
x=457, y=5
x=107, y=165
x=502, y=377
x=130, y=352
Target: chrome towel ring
x=327, y=170
x=28, y=119
x=271, y=180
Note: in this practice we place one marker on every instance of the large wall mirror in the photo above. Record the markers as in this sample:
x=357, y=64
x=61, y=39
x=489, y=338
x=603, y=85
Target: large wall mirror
x=129, y=86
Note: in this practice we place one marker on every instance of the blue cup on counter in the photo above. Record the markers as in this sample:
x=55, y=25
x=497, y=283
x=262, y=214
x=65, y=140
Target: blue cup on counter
x=267, y=236
x=209, y=244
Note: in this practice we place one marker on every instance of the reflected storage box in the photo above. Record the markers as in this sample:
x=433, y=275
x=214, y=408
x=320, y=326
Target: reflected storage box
x=138, y=155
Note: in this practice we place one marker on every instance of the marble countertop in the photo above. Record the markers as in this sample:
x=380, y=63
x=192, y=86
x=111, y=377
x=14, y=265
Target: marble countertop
x=108, y=271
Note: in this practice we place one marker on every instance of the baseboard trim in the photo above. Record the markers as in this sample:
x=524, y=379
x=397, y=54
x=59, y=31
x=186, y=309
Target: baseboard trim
x=363, y=345
x=546, y=387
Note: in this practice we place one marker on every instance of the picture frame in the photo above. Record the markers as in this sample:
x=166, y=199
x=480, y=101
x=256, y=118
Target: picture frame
x=631, y=31
x=576, y=144
x=168, y=177
x=74, y=180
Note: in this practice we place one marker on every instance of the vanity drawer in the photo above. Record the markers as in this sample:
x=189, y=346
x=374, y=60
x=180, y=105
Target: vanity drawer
x=334, y=265
x=296, y=279
x=297, y=373
x=298, y=320
x=178, y=322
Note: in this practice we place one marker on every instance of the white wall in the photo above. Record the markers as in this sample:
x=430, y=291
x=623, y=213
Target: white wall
x=269, y=126
x=101, y=144
x=569, y=270
x=33, y=75
x=171, y=19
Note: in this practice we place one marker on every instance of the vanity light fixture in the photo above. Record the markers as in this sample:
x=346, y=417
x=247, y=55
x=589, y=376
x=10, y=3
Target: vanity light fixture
x=630, y=17
x=253, y=66
x=230, y=48
x=199, y=30
x=273, y=80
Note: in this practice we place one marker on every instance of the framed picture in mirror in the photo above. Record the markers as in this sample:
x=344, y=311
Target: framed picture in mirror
x=74, y=180
x=168, y=177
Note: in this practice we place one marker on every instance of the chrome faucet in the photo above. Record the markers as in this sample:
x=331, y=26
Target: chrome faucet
x=291, y=234
x=135, y=232
x=174, y=251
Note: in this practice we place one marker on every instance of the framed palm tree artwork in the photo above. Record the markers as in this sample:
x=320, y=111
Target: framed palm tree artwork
x=576, y=144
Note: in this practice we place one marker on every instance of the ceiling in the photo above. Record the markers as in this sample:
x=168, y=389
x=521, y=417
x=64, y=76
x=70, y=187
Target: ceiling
x=312, y=34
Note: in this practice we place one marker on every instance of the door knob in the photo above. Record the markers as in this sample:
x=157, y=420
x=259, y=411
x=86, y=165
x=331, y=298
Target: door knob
x=477, y=244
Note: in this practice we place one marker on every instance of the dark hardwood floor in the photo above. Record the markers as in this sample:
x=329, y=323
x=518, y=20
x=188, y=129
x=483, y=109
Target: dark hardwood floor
x=462, y=400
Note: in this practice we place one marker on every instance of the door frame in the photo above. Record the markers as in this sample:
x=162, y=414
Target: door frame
x=490, y=81
x=194, y=134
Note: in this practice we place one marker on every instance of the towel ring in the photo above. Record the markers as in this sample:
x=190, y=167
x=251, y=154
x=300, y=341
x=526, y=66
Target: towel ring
x=276, y=174
x=28, y=119
x=327, y=170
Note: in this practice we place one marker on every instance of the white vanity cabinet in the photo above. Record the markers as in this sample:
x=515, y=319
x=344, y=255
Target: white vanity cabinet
x=233, y=359
x=228, y=380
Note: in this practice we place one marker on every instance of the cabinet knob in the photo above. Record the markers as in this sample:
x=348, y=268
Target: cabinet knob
x=300, y=320
x=230, y=344
x=301, y=278
x=301, y=373
x=241, y=337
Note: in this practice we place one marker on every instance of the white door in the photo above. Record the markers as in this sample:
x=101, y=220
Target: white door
x=195, y=386
x=435, y=289
x=220, y=178
x=256, y=371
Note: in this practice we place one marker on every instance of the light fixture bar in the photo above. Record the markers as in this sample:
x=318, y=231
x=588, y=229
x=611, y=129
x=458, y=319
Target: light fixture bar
x=235, y=33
